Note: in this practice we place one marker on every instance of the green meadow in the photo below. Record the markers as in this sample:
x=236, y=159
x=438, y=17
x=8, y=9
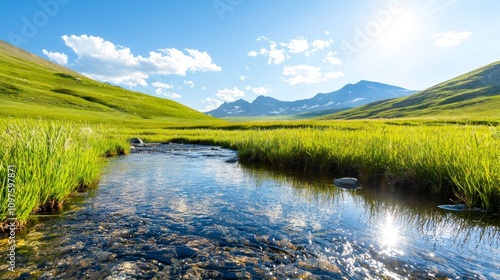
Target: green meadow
x=54, y=159
x=57, y=129
x=456, y=161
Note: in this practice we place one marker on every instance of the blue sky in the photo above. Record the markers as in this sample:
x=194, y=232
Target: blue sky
x=202, y=53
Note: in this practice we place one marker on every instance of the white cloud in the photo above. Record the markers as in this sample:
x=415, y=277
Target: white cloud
x=252, y=53
x=327, y=32
x=276, y=56
x=320, y=44
x=131, y=79
x=58, y=57
x=331, y=59
x=172, y=95
x=262, y=38
x=333, y=75
x=189, y=83
x=108, y=62
x=260, y=90
x=297, y=45
x=162, y=85
x=229, y=95
x=212, y=104
x=307, y=74
x=162, y=92
x=450, y=39
x=203, y=88
x=243, y=78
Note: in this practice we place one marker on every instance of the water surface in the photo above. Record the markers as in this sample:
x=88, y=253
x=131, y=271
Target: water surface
x=182, y=211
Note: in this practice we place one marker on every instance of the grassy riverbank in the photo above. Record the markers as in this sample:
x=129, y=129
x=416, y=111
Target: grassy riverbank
x=53, y=159
x=50, y=160
x=458, y=161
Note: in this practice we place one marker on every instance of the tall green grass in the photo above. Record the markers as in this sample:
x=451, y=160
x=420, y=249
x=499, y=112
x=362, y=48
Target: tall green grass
x=460, y=162
x=52, y=159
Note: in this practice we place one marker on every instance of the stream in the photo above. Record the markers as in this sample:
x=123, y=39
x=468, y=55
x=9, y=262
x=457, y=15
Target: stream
x=181, y=211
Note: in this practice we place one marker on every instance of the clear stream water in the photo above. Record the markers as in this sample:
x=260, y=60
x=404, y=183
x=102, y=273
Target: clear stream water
x=181, y=211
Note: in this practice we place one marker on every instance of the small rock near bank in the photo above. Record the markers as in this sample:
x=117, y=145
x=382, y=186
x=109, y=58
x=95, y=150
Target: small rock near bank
x=347, y=183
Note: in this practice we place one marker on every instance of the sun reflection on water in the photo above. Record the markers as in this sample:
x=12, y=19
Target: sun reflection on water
x=389, y=235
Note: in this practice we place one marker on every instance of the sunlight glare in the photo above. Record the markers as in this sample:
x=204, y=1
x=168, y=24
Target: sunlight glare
x=400, y=30
x=389, y=233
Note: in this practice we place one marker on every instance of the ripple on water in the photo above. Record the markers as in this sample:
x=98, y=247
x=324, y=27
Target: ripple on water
x=175, y=211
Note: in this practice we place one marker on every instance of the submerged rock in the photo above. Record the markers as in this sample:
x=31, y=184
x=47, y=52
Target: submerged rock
x=347, y=183
x=232, y=160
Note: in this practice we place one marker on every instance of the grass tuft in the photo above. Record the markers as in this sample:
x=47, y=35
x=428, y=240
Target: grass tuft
x=52, y=160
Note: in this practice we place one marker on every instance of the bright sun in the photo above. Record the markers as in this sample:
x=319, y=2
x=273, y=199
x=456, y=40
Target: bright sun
x=400, y=30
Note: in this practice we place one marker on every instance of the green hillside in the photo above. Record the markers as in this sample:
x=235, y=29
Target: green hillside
x=31, y=86
x=474, y=95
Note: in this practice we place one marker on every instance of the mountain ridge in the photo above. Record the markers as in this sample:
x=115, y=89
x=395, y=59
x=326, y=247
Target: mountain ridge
x=474, y=93
x=351, y=95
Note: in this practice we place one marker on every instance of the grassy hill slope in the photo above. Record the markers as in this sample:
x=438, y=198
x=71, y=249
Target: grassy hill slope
x=31, y=86
x=473, y=95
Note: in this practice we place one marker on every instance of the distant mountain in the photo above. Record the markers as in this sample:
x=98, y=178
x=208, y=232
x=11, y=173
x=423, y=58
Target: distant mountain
x=474, y=94
x=351, y=95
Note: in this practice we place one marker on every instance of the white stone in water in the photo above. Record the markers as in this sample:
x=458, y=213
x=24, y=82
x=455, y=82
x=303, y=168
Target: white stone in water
x=454, y=207
x=347, y=183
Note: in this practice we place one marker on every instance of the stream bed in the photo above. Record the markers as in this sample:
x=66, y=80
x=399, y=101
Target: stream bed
x=181, y=211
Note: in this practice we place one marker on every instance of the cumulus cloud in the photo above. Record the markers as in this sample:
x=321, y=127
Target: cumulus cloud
x=260, y=90
x=131, y=78
x=212, y=104
x=58, y=57
x=332, y=59
x=320, y=44
x=162, y=85
x=279, y=53
x=275, y=56
x=450, y=39
x=162, y=89
x=333, y=75
x=296, y=45
x=169, y=94
x=103, y=60
x=189, y=83
x=262, y=38
x=252, y=53
x=307, y=74
x=229, y=95
x=243, y=78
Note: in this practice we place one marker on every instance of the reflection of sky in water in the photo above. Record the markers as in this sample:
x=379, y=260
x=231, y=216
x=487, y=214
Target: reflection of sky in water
x=191, y=214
